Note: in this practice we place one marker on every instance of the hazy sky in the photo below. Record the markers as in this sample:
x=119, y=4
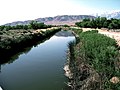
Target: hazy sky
x=18, y=10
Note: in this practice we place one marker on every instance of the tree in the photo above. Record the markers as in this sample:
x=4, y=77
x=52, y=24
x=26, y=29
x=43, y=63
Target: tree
x=119, y=23
x=2, y=27
x=78, y=24
x=103, y=21
x=66, y=25
x=110, y=26
x=33, y=25
x=84, y=24
x=115, y=23
x=86, y=19
x=93, y=24
x=8, y=28
x=41, y=25
x=37, y=25
x=25, y=27
x=89, y=25
x=19, y=26
x=98, y=22
x=105, y=24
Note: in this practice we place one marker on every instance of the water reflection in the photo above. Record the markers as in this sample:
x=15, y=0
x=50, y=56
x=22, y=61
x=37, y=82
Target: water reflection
x=64, y=34
x=10, y=58
x=0, y=68
x=41, y=68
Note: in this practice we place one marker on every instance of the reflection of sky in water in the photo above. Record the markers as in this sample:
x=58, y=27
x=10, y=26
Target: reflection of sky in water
x=39, y=69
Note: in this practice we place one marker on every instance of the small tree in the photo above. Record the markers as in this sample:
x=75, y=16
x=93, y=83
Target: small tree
x=33, y=24
x=105, y=24
x=2, y=27
x=103, y=21
x=66, y=25
x=110, y=26
x=25, y=27
x=37, y=25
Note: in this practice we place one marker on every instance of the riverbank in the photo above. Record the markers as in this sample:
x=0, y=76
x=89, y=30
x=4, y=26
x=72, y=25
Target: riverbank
x=14, y=41
x=115, y=34
x=94, y=62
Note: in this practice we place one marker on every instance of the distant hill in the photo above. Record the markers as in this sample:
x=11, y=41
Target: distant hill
x=57, y=20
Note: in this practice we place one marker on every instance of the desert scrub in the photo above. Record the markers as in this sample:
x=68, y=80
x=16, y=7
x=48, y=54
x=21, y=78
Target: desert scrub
x=99, y=54
x=13, y=41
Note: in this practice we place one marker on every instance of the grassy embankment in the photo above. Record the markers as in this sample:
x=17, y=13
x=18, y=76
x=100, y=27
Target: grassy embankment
x=94, y=62
x=13, y=41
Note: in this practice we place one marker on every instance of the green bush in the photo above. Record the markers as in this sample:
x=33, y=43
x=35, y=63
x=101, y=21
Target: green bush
x=100, y=22
x=78, y=31
x=101, y=52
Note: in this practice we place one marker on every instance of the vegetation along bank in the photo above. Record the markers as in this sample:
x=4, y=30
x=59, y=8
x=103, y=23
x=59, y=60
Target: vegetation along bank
x=100, y=22
x=93, y=62
x=13, y=41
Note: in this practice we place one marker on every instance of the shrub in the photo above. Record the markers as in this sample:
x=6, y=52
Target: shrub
x=101, y=52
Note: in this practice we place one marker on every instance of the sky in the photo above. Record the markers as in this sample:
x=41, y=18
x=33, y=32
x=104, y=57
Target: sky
x=20, y=10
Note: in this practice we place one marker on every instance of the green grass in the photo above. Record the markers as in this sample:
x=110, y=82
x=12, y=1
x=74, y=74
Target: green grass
x=102, y=54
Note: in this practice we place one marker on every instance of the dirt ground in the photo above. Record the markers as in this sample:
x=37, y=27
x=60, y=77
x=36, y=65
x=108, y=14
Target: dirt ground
x=115, y=35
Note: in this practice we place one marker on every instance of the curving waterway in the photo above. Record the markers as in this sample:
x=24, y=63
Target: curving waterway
x=40, y=68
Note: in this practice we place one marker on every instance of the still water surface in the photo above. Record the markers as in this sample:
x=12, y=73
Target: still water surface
x=39, y=69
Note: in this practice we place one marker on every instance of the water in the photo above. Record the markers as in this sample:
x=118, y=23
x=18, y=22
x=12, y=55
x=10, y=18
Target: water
x=41, y=68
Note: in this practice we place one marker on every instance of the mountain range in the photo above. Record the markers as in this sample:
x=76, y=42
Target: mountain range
x=66, y=19
x=57, y=20
x=109, y=15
